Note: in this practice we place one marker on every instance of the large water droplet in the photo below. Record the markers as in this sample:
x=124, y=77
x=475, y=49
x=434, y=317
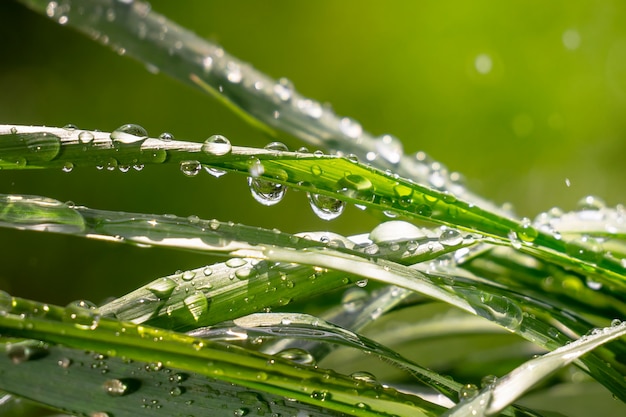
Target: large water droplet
x=390, y=148
x=467, y=392
x=296, y=355
x=450, y=237
x=357, y=187
x=162, y=287
x=128, y=134
x=325, y=207
x=84, y=314
x=217, y=145
x=27, y=350
x=266, y=192
x=395, y=231
x=496, y=308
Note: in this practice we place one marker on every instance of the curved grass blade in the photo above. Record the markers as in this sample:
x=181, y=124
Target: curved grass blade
x=159, y=43
x=82, y=382
x=337, y=178
x=84, y=329
x=510, y=387
x=476, y=297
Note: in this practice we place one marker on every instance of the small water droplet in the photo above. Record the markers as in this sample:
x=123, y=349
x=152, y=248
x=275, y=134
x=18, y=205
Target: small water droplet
x=325, y=207
x=450, y=237
x=120, y=387
x=240, y=412
x=64, y=363
x=321, y=395
x=217, y=145
x=296, y=355
x=166, y=136
x=526, y=231
x=190, y=168
x=68, y=167
x=488, y=381
x=188, y=275
x=615, y=322
x=362, y=283
x=177, y=391
x=591, y=202
x=467, y=392
x=316, y=170
x=85, y=137
x=357, y=187
x=366, y=377
x=84, y=314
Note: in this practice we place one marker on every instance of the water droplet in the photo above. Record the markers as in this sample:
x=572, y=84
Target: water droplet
x=316, y=170
x=68, y=167
x=496, y=308
x=321, y=395
x=357, y=187
x=390, y=148
x=296, y=355
x=526, y=231
x=188, y=275
x=162, y=287
x=362, y=283
x=353, y=299
x=25, y=351
x=325, y=207
x=283, y=89
x=177, y=391
x=351, y=128
x=236, y=262
x=245, y=273
x=166, y=136
x=120, y=387
x=240, y=412
x=450, y=237
x=395, y=231
x=84, y=314
x=128, y=134
x=216, y=145
x=233, y=72
x=6, y=303
x=615, y=322
x=266, y=192
x=366, y=377
x=467, y=392
x=190, y=168
x=85, y=137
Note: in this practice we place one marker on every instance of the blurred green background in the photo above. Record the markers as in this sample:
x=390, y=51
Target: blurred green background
x=522, y=97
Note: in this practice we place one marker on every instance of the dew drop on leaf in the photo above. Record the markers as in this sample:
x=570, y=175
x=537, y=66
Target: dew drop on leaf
x=83, y=314
x=297, y=355
x=216, y=145
x=325, y=207
x=266, y=192
x=450, y=237
x=128, y=134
